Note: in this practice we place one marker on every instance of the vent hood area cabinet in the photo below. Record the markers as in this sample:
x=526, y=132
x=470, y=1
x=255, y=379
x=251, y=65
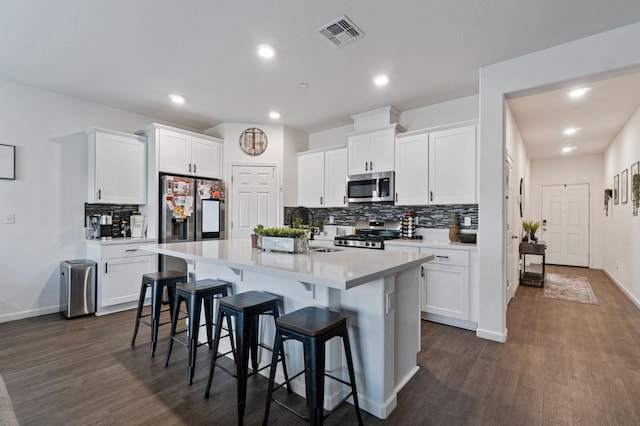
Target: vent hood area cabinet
x=117, y=167
x=436, y=166
x=371, y=151
x=186, y=153
x=322, y=178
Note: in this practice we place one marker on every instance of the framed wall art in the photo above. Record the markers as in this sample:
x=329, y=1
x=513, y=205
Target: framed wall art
x=7, y=162
x=616, y=189
x=624, y=186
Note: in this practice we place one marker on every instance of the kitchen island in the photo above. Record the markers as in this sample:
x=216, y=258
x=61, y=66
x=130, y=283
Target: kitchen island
x=377, y=289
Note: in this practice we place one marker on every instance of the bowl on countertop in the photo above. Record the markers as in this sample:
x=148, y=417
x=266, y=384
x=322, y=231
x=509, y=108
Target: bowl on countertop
x=467, y=237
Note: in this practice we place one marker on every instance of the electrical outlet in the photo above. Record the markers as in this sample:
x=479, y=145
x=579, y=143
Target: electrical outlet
x=10, y=218
x=331, y=220
x=390, y=302
x=467, y=221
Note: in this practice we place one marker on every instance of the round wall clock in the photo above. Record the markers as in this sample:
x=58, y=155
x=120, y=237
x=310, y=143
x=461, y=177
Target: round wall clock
x=253, y=141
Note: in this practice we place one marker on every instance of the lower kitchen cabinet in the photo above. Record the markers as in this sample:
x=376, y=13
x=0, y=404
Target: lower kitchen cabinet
x=120, y=270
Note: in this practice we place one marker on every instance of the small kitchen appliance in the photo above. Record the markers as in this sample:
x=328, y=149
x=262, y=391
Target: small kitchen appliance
x=106, y=226
x=370, y=233
x=371, y=187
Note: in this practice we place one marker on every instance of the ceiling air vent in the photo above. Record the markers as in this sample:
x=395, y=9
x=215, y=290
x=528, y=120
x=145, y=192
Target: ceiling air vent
x=340, y=31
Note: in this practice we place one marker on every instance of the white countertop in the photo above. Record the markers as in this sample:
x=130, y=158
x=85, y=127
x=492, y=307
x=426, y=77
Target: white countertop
x=341, y=269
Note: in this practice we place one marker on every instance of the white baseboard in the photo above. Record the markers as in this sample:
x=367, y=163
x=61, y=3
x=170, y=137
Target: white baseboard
x=492, y=335
x=454, y=322
x=624, y=290
x=30, y=313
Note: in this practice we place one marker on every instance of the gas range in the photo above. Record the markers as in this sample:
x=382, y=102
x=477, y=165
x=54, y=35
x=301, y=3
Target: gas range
x=370, y=234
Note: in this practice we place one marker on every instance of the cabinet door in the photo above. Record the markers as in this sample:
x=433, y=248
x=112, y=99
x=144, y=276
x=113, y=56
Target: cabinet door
x=446, y=290
x=121, y=278
x=412, y=170
x=381, y=147
x=174, y=152
x=311, y=179
x=335, y=178
x=206, y=156
x=120, y=169
x=359, y=154
x=452, y=166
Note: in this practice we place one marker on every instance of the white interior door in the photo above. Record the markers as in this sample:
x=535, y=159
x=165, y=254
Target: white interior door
x=565, y=224
x=254, y=199
x=512, y=243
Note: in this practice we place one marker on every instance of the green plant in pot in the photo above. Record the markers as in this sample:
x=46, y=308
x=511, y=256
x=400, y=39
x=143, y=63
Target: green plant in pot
x=531, y=227
x=257, y=231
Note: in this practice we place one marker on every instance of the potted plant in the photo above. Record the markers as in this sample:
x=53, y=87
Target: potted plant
x=256, y=234
x=289, y=240
x=531, y=227
x=608, y=193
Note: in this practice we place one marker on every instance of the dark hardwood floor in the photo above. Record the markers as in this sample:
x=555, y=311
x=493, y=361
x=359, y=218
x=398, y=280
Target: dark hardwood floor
x=565, y=363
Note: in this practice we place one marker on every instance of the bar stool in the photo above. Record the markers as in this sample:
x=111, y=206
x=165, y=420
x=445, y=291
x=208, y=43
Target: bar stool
x=193, y=294
x=246, y=308
x=157, y=281
x=313, y=327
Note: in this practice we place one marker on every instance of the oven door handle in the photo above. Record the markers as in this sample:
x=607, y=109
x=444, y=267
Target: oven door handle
x=377, y=187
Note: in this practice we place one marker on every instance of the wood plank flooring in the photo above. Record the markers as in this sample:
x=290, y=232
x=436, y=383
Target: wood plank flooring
x=565, y=363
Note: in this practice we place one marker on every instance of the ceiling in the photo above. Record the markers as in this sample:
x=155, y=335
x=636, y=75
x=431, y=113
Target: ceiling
x=132, y=54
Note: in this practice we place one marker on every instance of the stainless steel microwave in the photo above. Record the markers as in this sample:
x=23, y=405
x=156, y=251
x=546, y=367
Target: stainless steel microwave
x=370, y=187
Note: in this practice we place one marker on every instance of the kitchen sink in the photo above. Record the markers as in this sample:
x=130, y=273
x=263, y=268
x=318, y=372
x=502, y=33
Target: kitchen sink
x=324, y=250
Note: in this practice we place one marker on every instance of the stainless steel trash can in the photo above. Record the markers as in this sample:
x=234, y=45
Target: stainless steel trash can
x=77, y=287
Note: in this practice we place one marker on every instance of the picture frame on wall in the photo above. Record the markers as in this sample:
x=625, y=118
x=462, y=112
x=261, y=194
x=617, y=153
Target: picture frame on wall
x=616, y=189
x=7, y=162
x=635, y=169
x=624, y=188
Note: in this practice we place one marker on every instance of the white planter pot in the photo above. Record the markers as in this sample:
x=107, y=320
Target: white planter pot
x=289, y=245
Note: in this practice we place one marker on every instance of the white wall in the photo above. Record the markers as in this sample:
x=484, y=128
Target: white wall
x=573, y=170
x=45, y=128
x=611, y=51
x=622, y=229
x=329, y=138
x=294, y=141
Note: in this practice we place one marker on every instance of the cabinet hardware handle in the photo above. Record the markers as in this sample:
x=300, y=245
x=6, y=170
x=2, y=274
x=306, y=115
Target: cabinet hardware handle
x=189, y=167
x=442, y=257
x=430, y=195
x=422, y=271
x=344, y=199
x=370, y=165
x=366, y=166
x=321, y=199
x=106, y=268
x=99, y=194
x=194, y=168
x=131, y=250
x=396, y=197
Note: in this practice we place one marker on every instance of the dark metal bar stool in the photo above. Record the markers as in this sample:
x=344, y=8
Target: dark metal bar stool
x=157, y=281
x=313, y=327
x=246, y=308
x=193, y=294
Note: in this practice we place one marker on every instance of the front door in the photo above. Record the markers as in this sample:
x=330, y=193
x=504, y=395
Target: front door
x=565, y=224
x=254, y=199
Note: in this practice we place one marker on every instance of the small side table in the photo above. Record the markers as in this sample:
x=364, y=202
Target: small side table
x=532, y=276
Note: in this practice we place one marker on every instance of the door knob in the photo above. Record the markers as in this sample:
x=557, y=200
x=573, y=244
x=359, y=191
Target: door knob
x=514, y=237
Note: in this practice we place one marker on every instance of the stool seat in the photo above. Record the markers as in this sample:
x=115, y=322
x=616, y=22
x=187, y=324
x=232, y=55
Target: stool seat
x=313, y=327
x=246, y=308
x=194, y=293
x=312, y=321
x=157, y=281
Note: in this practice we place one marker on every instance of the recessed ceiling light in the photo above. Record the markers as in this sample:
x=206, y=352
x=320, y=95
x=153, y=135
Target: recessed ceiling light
x=266, y=51
x=571, y=131
x=568, y=149
x=177, y=99
x=578, y=93
x=381, y=80
x=304, y=85
x=274, y=115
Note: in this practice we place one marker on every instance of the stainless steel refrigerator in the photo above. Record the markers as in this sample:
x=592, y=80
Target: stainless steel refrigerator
x=191, y=209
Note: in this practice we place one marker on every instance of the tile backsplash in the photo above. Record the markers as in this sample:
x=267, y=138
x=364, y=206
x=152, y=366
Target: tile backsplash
x=428, y=216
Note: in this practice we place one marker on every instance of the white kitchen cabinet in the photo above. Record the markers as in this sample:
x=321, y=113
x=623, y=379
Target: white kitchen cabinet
x=446, y=284
x=120, y=270
x=372, y=152
x=322, y=178
x=186, y=153
x=117, y=168
x=436, y=167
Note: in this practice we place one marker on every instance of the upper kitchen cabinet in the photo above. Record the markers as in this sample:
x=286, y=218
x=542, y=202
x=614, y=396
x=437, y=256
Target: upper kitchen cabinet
x=372, y=151
x=436, y=166
x=322, y=178
x=186, y=153
x=117, y=167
